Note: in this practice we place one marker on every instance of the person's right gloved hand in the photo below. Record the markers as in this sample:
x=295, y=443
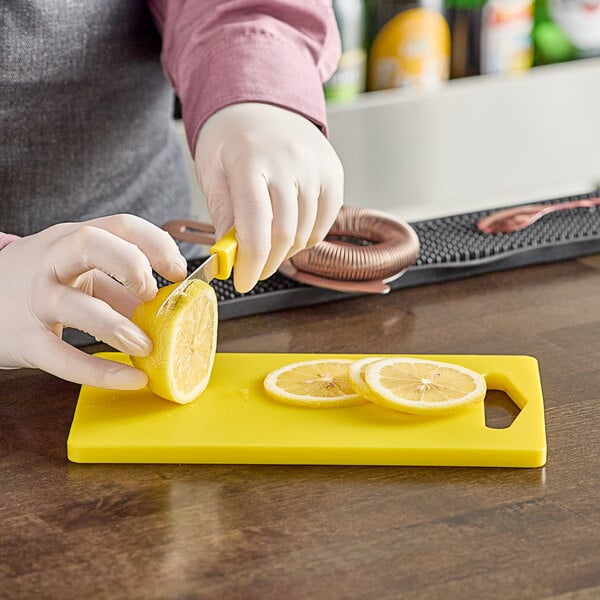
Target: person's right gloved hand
x=89, y=276
x=272, y=174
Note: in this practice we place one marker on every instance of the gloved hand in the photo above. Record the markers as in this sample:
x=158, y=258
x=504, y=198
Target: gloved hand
x=90, y=276
x=273, y=174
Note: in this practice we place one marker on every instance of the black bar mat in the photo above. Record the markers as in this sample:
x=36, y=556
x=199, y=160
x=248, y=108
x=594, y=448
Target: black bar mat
x=451, y=248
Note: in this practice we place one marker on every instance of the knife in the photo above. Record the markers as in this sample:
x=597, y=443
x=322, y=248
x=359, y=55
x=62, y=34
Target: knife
x=218, y=265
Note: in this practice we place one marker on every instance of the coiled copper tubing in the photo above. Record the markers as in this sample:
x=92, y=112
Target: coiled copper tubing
x=390, y=246
x=364, y=250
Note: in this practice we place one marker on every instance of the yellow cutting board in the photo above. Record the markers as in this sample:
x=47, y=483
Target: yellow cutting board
x=235, y=422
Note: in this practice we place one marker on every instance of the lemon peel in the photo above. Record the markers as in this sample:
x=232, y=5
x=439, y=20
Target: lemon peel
x=356, y=373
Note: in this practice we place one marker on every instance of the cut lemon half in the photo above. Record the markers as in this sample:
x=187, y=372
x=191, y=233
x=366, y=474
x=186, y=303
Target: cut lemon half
x=313, y=383
x=185, y=341
x=423, y=387
x=356, y=372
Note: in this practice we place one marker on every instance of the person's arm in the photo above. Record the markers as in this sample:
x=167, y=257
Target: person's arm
x=249, y=75
x=273, y=51
x=6, y=239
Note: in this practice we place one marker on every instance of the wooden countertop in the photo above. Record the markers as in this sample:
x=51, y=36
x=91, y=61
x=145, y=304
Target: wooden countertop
x=312, y=532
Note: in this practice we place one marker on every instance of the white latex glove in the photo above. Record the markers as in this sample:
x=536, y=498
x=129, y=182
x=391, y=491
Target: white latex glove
x=90, y=276
x=272, y=174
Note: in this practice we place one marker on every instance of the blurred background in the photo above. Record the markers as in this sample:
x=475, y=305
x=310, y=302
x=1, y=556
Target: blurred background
x=446, y=106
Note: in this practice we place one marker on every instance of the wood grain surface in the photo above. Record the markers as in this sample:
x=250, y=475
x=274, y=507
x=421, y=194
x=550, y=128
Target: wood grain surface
x=312, y=532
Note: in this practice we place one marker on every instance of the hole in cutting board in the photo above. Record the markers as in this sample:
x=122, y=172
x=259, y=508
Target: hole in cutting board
x=500, y=410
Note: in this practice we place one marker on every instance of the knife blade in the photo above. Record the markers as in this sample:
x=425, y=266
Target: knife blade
x=218, y=265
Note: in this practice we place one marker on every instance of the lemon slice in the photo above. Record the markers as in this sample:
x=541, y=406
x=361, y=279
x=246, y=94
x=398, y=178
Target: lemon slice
x=185, y=341
x=313, y=383
x=420, y=386
x=356, y=373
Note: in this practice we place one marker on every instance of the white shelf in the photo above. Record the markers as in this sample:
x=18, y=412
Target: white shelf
x=476, y=143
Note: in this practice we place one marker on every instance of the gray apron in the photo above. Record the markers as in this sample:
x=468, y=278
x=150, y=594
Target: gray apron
x=85, y=116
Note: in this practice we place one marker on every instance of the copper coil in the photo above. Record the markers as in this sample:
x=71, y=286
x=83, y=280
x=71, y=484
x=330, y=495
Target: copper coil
x=393, y=246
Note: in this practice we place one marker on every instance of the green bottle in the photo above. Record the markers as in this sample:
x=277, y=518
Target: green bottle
x=566, y=30
x=349, y=79
x=465, y=18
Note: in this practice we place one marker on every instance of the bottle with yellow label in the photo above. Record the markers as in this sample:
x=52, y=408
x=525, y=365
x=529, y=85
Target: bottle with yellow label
x=412, y=48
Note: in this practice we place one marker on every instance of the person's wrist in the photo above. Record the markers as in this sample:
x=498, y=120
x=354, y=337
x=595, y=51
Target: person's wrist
x=6, y=239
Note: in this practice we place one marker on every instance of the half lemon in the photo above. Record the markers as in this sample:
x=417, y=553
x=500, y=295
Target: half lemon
x=185, y=341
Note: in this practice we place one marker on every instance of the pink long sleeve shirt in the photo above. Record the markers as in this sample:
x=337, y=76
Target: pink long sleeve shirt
x=7, y=238
x=217, y=53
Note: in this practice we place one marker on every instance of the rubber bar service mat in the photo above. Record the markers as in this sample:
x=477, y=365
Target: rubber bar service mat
x=451, y=248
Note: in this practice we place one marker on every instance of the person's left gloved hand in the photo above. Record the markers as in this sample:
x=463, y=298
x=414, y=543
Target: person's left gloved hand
x=275, y=176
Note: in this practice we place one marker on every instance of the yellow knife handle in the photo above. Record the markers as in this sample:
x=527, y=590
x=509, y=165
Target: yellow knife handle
x=226, y=248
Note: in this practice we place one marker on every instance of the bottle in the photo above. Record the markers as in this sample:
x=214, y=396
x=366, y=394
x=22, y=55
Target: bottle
x=465, y=19
x=410, y=45
x=493, y=36
x=566, y=30
x=506, y=39
x=349, y=79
